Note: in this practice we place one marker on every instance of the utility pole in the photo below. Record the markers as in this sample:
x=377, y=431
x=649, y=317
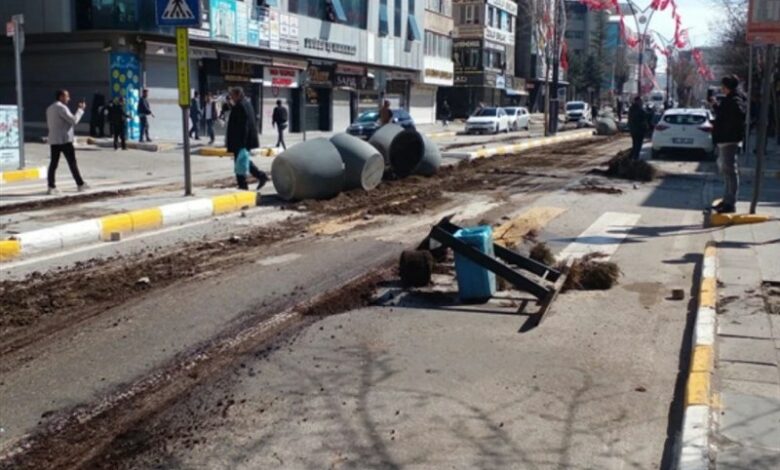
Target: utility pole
x=746, y=145
x=763, y=124
x=560, y=12
x=18, y=22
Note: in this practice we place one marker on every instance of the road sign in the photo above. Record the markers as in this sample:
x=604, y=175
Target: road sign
x=764, y=22
x=178, y=13
x=183, y=65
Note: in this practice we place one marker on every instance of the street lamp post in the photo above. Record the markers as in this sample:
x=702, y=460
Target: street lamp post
x=638, y=20
x=669, y=48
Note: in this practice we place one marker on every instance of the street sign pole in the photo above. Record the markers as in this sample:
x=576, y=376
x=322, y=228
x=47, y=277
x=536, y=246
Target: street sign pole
x=763, y=124
x=183, y=72
x=746, y=146
x=18, y=21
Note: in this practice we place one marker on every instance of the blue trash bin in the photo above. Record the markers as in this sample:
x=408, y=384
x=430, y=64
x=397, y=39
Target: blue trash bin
x=474, y=281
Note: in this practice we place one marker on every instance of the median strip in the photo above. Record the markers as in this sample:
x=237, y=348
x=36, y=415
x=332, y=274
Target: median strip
x=113, y=226
x=27, y=174
x=526, y=145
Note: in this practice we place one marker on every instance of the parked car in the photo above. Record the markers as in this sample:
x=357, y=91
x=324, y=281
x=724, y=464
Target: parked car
x=492, y=120
x=519, y=118
x=684, y=129
x=368, y=123
x=577, y=111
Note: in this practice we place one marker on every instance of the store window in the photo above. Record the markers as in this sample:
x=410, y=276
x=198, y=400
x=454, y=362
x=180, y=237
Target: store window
x=107, y=14
x=355, y=11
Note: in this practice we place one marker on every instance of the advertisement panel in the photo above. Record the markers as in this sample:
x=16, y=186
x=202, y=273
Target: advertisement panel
x=125, y=81
x=9, y=137
x=223, y=20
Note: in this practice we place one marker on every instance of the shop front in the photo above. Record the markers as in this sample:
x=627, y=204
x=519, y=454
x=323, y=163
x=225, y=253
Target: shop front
x=218, y=76
x=319, y=96
x=281, y=81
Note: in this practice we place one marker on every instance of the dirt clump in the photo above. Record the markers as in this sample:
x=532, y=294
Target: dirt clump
x=588, y=273
x=624, y=167
x=416, y=268
x=589, y=186
x=541, y=252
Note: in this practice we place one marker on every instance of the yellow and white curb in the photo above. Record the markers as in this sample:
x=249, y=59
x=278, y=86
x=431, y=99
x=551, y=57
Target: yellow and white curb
x=719, y=220
x=36, y=173
x=694, y=451
x=526, y=145
x=440, y=135
x=103, y=228
x=222, y=152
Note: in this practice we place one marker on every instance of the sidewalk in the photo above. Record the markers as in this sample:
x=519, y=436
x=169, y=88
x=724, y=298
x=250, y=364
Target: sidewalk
x=745, y=431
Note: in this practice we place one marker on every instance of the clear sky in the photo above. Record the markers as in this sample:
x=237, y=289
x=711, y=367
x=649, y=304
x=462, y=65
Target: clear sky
x=699, y=15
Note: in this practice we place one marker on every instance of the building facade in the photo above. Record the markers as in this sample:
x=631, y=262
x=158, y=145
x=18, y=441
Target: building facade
x=438, y=70
x=483, y=54
x=328, y=60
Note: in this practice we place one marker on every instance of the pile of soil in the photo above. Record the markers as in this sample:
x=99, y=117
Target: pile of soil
x=541, y=252
x=625, y=167
x=590, y=186
x=587, y=273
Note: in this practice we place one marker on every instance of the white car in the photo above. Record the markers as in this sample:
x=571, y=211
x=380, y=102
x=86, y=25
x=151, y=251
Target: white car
x=519, y=118
x=684, y=129
x=492, y=120
x=577, y=111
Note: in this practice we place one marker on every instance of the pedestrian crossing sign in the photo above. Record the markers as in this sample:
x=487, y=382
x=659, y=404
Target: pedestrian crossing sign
x=178, y=13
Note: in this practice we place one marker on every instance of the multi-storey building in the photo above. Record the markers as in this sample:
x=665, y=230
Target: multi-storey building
x=328, y=59
x=438, y=70
x=483, y=52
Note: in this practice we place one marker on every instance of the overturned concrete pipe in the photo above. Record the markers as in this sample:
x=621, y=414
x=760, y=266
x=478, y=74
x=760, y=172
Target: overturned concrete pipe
x=364, y=165
x=309, y=170
x=403, y=149
x=431, y=161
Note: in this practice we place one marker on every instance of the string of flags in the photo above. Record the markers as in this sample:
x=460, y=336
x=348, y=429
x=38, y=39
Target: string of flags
x=681, y=38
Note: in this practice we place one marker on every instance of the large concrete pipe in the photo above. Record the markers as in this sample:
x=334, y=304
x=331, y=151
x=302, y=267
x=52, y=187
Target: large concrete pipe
x=309, y=170
x=431, y=160
x=403, y=149
x=364, y=165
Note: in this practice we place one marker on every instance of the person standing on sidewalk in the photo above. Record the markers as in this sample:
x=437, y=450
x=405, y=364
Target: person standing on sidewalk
x=446, y=113
x=61, y=123
x=195, y=115
x=637, y=125
x=241, y=138
x=144, y=111
x=117, y=116
x=385, y=114
x=279, y=119
x=728, y=131
x=211, y=115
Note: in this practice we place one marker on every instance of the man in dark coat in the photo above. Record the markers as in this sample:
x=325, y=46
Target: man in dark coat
x=637, y=125
x=144, y=111
x=195, y=116
x=728, y=131
x=117, y=116
x=279, y=119
x=241, y=135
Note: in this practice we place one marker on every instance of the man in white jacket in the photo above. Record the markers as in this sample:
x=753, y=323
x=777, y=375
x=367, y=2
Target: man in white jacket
x=61, y=123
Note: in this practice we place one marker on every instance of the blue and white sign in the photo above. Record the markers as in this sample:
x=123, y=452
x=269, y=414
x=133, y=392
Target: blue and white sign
x=178, y=12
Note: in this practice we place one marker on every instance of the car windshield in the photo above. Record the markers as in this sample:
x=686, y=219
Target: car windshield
x=575, y=106
x=511, y=111
x=486, y=112
x=369, y=116
x=685, y=119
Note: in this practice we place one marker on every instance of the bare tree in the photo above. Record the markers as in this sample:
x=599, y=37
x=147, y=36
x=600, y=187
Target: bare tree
x=686, y=76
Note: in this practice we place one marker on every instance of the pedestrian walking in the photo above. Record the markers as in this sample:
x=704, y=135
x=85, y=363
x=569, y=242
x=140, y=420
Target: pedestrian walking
x=61, y=123
x=144, y=111
x=385, y=114
x=117, y=116
x=279, y=119
x=211, y=115
x=594, y=112
x=728, y=131
x=446, y=113
x=241, y=138
x=195, y=115
x=619, y=109
x=637, y=125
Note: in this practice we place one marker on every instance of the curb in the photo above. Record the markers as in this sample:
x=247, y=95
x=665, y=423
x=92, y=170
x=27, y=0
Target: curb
x=104, y=142
x=718, y=220
x=530, y=144
x=222, y=152
x=37, y=173
x=694, y=451
x=104, y=228
x=439, y=135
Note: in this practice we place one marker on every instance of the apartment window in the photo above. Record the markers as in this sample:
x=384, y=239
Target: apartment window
x=438, y=45
x=442, y=7
x=412, y=28
x=384, y=26
x=490, y=13
x=99, y=14
x=397, y=19
x=494, y=59
x=355, y=11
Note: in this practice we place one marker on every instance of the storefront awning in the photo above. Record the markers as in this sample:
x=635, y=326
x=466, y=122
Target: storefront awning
x=511, y=92
x=246, y=58
x=166, y=49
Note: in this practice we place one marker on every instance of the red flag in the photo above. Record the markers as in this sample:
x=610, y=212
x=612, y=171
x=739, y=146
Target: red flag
x=564, y=55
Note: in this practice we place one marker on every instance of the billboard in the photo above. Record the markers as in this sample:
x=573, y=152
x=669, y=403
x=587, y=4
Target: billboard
x=764, y=22
x=9, y=137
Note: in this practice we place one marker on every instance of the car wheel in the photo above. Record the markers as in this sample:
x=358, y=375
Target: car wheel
x=497, y=129
x=528, y=127
x=654, y=154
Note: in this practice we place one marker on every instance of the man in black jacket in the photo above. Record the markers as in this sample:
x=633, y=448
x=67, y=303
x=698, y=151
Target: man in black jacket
x=117, y=116
x=727, y=132
x=241, y=134
x=144, y=111
x=279, y=119
x=637, y=124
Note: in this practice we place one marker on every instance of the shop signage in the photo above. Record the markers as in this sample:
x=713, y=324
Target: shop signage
x=463, y=43
x=395, y=75
x=497, y=35
x=9, y=137
x=471, y=79
x=319, y=75
x=356, y=82
x=280, y=77
x=328, y=46
x=290, y=63
x=350, y=69
x=440, y=74
x=500, y=82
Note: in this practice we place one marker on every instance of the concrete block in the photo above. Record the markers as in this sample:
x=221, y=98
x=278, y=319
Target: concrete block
x=176, y=213
x=37, y=241
x=749, y=372
x=78, y=233
x=756, y=325
x=746, y=350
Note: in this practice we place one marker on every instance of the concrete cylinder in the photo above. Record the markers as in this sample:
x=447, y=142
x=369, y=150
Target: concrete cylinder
x=403, y=149
x=431, y=160
x=606, y=126
x=309, y=170
x=364, y=165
